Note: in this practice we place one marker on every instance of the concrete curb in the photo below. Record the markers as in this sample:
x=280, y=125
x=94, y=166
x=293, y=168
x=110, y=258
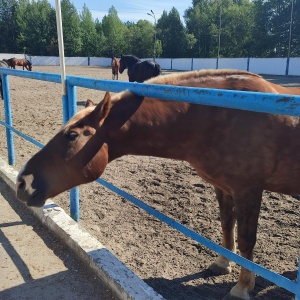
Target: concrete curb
x=113, y=272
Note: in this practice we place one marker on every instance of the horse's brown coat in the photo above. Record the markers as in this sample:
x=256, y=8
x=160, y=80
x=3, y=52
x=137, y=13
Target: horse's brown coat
x=115, y=65
x=25, y=63
x=241, y=153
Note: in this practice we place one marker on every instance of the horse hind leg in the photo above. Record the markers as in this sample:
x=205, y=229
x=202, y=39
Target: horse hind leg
x=222, y=265
x=247, y=206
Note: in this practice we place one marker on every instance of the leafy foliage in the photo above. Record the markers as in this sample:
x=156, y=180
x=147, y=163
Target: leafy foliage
x=225, y=28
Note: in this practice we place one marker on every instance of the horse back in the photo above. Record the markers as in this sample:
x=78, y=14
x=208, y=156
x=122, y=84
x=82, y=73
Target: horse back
x=263, y=147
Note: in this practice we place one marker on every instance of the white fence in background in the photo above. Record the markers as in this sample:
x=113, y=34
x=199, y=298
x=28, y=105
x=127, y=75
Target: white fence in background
x=271, y=66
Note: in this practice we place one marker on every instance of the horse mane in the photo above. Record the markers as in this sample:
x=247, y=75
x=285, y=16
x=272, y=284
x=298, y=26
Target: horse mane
x=220, y=79
x=29, y=63
x=180, y=79
x=201, y=75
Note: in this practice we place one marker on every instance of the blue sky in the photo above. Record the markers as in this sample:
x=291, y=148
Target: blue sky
x=131, y=10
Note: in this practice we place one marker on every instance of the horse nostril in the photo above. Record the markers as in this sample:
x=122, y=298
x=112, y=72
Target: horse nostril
x=20, y=185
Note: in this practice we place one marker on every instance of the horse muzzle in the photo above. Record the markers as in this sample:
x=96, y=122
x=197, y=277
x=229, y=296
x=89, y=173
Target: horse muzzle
x=26, y=193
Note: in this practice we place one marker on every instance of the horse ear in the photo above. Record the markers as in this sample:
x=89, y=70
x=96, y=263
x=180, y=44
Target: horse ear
x=89, y=103
x=103, y=108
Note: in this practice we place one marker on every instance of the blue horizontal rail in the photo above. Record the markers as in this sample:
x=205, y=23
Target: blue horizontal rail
x=32, y=75
x=253, y=101
x=274, y=277
x=24, y=136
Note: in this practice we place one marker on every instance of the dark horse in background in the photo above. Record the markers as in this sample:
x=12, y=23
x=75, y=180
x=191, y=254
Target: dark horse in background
x=138, y=70
x=115, y=65
x=9, y=62
x=3, y=64
x=25, y=63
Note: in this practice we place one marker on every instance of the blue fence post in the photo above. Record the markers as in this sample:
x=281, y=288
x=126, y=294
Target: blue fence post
x=74, y=193
x=8, y=120
x=65, y=106
x=192, y=64
x=287, y=66
x=217, y=63
x=248, y=64
x=298, y=281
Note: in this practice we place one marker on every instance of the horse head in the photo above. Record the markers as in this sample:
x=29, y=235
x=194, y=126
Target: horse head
x=29, y=64
x=72, y=152
x=123, y=64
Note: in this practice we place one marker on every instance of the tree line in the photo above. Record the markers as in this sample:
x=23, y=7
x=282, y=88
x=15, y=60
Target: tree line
x=224, y=28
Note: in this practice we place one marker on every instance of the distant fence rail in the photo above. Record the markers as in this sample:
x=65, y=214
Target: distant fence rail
x=271, y=66
x=261, y=102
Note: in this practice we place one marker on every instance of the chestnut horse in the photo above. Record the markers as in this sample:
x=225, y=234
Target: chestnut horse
x=25, y=63
x=241, y=153
x=3, y=64
x=138, y=70
x=115, y=65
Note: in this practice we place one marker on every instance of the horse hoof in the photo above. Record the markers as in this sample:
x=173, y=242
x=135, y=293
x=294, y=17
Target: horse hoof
x=237, y=293
x=217, y=270
x=231, y=297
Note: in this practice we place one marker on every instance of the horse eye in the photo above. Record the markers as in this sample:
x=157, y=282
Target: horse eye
x=72, y=135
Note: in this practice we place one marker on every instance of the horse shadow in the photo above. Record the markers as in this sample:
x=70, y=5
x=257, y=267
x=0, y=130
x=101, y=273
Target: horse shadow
x=180, y=289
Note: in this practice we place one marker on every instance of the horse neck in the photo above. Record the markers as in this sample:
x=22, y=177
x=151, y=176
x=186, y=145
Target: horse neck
x=138, y=126
x=131, y=60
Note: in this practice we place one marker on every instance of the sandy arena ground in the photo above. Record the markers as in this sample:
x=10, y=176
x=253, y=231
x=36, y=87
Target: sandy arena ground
x=174, y=265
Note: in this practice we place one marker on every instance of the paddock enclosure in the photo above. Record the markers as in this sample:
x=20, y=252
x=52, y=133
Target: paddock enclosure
x=174, y=265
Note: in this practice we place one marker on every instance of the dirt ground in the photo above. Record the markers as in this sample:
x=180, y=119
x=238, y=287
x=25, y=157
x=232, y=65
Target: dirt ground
x=174, y=265
x=35, y=264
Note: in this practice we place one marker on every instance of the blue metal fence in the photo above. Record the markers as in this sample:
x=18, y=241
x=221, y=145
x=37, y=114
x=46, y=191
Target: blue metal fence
x=260, y=102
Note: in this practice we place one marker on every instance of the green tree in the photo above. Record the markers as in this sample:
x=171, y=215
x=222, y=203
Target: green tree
x=8, y=26
x=201, y=23
x=173, y=35
x=101, y=49
x=89, y=38
x=115, y=33
x=272, y=21
x=37, y=27
x=237, y=27
x=141, y=38
x=71, y=29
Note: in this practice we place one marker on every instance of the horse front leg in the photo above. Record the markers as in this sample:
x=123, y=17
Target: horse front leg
x=223, y=265
x=247, y=207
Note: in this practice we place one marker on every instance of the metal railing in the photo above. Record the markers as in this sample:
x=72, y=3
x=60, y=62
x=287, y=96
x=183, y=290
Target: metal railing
x=253, y=101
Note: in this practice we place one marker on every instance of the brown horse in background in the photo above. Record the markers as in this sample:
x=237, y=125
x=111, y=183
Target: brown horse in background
x=115, y=65
x=25, y=63
x=241, y=153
